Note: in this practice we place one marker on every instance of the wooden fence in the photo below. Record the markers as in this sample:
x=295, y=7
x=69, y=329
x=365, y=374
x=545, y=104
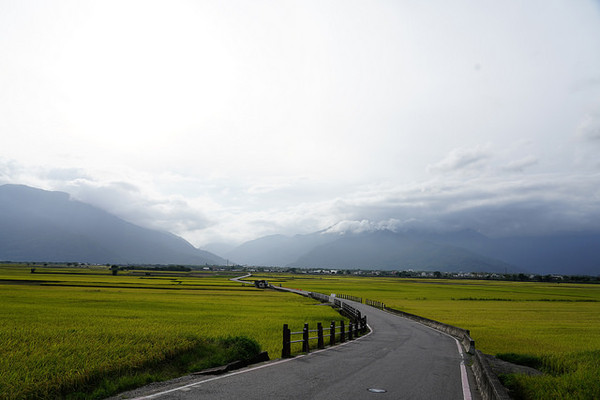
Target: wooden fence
x=375, y=303
x=349, y=297
x=336, y=334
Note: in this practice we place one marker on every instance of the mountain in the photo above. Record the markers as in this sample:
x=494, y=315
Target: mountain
x=384, y=249
x=465, y=250
x=277, y=250
x=39, y=225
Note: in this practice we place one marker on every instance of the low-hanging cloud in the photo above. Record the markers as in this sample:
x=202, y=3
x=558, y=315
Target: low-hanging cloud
x=537, y=205
x=133, y=204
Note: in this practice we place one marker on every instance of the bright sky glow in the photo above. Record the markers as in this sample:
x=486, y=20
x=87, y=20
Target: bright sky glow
x=222, y=121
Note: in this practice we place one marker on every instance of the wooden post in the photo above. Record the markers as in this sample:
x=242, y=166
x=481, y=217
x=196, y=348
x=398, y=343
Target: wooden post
x=342, y=333
x=320, y=343
x=305, y=339
x=332, y=333
x=350, y=330
x=286, y=350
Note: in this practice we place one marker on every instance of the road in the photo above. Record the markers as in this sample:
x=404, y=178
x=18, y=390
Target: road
x=400, y=359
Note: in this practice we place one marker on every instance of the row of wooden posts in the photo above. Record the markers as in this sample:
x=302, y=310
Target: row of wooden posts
x=375, y=303
x=349, y=297
x=355, y=329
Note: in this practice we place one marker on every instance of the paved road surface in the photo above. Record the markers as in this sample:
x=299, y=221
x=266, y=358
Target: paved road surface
x=403, y=358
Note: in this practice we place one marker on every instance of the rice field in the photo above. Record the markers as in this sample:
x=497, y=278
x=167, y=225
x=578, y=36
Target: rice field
x=63, y=331
x=557, y=324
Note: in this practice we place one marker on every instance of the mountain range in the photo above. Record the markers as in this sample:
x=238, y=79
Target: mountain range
x=39, y=225
x=465, y=250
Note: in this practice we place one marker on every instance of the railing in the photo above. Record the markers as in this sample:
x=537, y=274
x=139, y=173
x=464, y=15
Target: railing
x=319, y=296
x=349, y=297
x=375, y=303
x=336, y=334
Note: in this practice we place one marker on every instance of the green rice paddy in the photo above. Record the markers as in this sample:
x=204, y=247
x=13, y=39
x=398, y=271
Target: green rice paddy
x=65, y=333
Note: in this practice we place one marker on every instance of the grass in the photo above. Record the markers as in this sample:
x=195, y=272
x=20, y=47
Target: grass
x=555, y=324
x=91, y=334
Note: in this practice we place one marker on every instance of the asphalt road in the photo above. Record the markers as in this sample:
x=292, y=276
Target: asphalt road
x=400, y=359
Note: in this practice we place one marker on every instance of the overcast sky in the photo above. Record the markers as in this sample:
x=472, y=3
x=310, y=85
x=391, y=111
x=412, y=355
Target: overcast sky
x=223, y=121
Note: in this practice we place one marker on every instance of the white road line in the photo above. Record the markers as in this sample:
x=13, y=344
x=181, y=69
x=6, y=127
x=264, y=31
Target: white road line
x=463, y=373
x=190, y=385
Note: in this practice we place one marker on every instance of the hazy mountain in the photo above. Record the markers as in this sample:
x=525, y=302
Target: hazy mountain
x=38, y=225
x=277, y=250
x=384, y=249
x=464, y=250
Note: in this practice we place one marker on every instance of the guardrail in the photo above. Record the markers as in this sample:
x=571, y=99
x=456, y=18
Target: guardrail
x=349, y=297
x=320, y=296
x=336, y=334
x=463, y=335
x=375, y=303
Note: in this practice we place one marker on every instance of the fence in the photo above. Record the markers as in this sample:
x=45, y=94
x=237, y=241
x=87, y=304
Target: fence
x=336, y=333
x=320, y=297
x=356, y=327
x=349, y=297
x=375, y=303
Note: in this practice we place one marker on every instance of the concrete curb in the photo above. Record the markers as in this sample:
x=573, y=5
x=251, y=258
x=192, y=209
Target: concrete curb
x=487, y=381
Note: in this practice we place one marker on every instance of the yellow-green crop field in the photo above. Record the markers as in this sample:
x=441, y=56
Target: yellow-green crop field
x=557, y=323
x=63, y=331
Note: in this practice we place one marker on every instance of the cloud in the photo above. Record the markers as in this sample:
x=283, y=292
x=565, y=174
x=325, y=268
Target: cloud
x=540, y=204
x=392, y=114
x=589, y=128
x=132, y=203
x=521, y=164
x=462, y=159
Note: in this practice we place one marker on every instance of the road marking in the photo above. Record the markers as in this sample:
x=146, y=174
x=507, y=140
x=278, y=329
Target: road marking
x=463, y=372
x=190, y=385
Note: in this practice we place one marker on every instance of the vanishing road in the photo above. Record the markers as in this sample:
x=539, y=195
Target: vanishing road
x=400, y=359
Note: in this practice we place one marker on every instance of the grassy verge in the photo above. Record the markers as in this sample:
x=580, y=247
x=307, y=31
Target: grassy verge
x=201, y=355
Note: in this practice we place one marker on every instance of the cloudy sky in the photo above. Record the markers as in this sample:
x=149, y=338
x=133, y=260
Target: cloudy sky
x=223, y=121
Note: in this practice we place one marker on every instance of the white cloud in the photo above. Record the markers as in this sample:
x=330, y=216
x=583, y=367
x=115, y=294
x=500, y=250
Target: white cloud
x=462, y=159
x=521, y=164
x=224, y=122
